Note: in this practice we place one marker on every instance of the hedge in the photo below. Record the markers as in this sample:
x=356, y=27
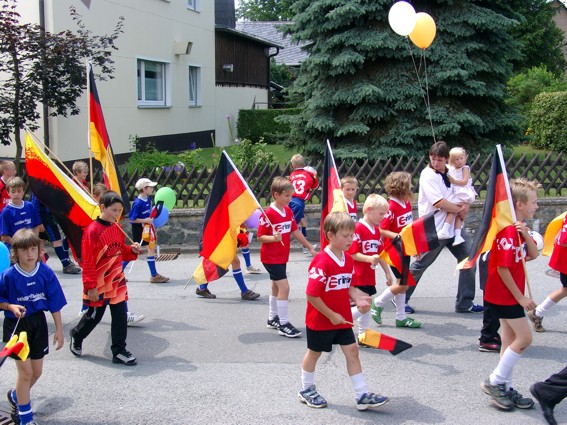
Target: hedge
x=255, y=124
x=548, y=126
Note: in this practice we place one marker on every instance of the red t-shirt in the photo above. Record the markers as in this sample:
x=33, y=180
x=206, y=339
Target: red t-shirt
x=399, y=216
x=368, y=241
x=4, y=197
x=352, y=209
x=505, y=252
x=329, y=279
x=303, y=182
x=282, y=221
x=558, y=260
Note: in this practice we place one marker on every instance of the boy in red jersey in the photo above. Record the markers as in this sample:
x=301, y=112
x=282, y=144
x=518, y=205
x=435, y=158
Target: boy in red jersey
x=274, y=230
x=328, y=314
x=504, y=293
x=365, y=248
x=558, y=261
x=304, y=180
x=349, y=187
x=7, y=171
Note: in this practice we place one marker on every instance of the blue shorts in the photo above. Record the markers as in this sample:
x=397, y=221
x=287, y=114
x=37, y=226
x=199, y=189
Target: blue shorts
x=297, y=206
x=36, y=328
x=319, y=341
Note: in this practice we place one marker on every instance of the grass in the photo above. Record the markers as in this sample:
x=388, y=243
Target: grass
x=210, y=155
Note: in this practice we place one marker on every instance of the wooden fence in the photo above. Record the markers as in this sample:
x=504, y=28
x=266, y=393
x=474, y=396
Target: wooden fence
x=193, y=185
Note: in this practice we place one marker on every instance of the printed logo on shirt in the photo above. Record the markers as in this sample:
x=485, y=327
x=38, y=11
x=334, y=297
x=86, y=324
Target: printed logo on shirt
x=338, y=282
x=32, y=297
x=284, y=227
x=370, y=246
x=405, y=219
x=30, y=283
x=26, y=221
x=505, y=244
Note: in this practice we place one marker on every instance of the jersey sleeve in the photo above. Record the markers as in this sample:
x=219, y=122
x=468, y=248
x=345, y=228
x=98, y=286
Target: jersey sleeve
x=55, y=297
x=317, y=278
x=430, y=188
x=506, y=244
x=264, y=227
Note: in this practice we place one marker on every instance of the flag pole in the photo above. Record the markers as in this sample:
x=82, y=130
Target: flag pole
x=189, y=281
x=89, y=69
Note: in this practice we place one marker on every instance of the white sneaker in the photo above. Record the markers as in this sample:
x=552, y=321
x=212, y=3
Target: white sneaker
x=443, y=234
x=134, y=318
x=253, y=270
x=458, y=240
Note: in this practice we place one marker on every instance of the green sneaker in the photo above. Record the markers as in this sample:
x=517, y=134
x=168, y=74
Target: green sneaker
x=376, y=313
x=408, y=322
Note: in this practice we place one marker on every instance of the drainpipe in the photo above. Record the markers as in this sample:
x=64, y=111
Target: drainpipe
x=269, y=64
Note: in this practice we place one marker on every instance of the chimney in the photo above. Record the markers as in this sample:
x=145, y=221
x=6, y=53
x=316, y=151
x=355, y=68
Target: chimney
x=225, y=15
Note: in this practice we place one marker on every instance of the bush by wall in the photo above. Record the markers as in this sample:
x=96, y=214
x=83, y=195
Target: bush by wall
x=548, y=127
x=254, y=124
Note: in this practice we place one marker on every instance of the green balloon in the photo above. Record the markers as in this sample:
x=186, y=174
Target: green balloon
x=167, y=195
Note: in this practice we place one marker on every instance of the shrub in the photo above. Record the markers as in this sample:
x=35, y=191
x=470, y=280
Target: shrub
x=548, y=128
x=254, y=124
x=248, y=154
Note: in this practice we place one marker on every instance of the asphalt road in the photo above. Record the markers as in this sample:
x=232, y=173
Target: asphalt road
x=215, y=362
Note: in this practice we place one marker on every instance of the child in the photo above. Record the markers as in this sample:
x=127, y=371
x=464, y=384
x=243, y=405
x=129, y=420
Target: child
x=349, y=187
x=276, y=226
x=463, y=192
x=328, y=314
x=103, y=249
x=139, y=217
x=80, y=173
x=366, y=246
x=245, y=233
x=398, y=186
x=558, y=261
x=304, y=180
x=27, y=289
x=18, y=214
x=7, y=171
x=504, y=293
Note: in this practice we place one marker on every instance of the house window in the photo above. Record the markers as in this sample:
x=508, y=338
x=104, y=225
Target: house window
x=195, y=86
x=194, y=5
x=152, y=80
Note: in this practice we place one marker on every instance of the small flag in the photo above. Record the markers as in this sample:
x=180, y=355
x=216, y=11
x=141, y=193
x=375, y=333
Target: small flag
x=551, y=232
x=332, y=198
x=393, y=255
x=420, y=235
x=17, y=345
x=208, y=272
x=374, y=339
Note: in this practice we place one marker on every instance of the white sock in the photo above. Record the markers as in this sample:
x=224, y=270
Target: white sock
x=400, y=300
x=363, y=322
x=359, y=385
x=447, y=227
x=273, y=306
x=385, y=296
x=283, y=311
x=457, y=233
x=307, y=379
x=355, y=313
x=542, y=309
x=505, y=367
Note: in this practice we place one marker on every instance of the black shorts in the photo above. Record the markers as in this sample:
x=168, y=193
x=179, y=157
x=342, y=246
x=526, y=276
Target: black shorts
x=515, y=311
x=319, y=341
x=276, y=271
x=369, y=290
x=51, y=233
x=38, y=334
x=563, y=279
x=137, y=229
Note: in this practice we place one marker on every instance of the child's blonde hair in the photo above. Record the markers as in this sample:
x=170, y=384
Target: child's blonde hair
x=4, y=165
x=99, y=189
x=24, y=239
x=15, y=183
x=79, y=166
x=374, y=201
x=337, y=221
x=398, y=185
x=349, y=180
x=297, y=161
x=455, y=152
x=521, y=187
x=281, y=185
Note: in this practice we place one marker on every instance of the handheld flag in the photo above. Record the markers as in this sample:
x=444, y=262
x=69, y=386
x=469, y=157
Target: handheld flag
x=551, y=232
x=99, y=144
x=420, y=235
x=17, y=345
x=230, y=203
x=208, y=271
x=498, y=211
x=73, y=208
x=332, y=198
x=374, y=339
x=393, y=255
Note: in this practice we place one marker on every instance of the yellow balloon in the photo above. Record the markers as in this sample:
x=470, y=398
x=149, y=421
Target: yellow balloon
x=424, y=32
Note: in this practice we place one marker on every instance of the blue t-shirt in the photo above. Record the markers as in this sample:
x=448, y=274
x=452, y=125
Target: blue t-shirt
x=141, y=208
x=16, y=217
x=36, y=291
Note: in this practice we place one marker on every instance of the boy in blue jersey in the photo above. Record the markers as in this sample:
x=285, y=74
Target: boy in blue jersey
x=18, y=214
x=27, y=289
x=139, y=217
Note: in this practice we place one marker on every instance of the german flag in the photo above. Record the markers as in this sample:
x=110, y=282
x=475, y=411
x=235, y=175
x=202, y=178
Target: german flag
x=393, y=254
x=332, y=198
x=551, y=233
x=230, y=203
x=208, y=272
x=420, y=235
x=17, y=345
x=73, y=208
x=498, y=211
x=374, y=339
x=99, y=144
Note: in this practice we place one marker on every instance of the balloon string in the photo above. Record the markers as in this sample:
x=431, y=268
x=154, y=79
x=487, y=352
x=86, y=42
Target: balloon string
x=427, y=92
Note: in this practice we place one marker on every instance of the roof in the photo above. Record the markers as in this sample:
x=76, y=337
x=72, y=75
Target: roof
x=248, y=36
x=291, y=54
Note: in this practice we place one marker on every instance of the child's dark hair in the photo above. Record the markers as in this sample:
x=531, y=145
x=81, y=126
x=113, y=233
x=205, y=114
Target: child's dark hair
x=15, y=183
x=281, y=185
x=24, y=239
x=109, y=198
x=337, y=221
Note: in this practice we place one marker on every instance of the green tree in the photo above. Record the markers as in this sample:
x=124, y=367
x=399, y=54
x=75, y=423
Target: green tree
x=359, y=86
x=525, y=86
x=265, y=10
x=41, y=67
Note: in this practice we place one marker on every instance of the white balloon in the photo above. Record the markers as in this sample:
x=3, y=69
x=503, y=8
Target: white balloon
x=538, y=239
x=402, y=18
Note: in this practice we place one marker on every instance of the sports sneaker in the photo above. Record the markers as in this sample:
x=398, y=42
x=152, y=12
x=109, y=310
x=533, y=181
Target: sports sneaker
x=519, y=400
x=536, y=321
x=125, y=358
x=249, y=295
x=458, y=240
x=72, y=269
x=75, y=345
x=472, y=309
x=498, y=393
x=14, y=412
x=407, y=308
x=253, y=270
x=205, y=293
x=370, y=400
x=312, y=398
x=273, y=323
x=489, y=347
x=376, y=312
x=132, y=318
x=408, y=322
x=158, y=278
x=288, y=330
